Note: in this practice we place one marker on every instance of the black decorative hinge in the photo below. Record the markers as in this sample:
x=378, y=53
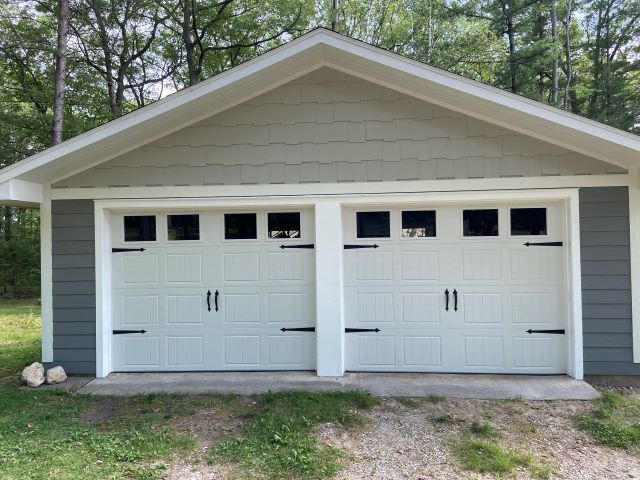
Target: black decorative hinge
x=543, y=244
x=298, y=329
x=118, y=250
x=353, y=247
x=122, y=332
x=305, y=245
x=555, y=332
x=358, y=330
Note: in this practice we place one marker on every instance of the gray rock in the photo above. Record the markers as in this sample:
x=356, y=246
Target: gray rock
x=33, y=375
x=56, y=375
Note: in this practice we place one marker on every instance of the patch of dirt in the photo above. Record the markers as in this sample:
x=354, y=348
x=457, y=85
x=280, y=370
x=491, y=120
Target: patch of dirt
x=403, y=440
x=102, y=411
x=208, y=425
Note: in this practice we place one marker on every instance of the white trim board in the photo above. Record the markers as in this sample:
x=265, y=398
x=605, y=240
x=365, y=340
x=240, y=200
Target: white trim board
x=300, y=190
x=333, y=250
x=634, y=247
x=46, y=276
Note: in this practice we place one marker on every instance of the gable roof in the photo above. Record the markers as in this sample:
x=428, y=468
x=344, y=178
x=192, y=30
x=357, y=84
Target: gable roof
x=324, y=48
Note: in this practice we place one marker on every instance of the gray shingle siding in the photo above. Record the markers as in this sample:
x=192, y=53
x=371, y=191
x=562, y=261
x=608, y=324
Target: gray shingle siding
x=74, y=288
x=606, y=281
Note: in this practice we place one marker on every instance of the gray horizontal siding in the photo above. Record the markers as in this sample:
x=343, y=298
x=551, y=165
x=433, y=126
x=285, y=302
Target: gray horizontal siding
x=74, y=319
x=606, y=281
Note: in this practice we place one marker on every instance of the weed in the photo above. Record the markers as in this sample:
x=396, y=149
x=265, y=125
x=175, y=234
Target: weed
x=407, y=402
x=485, y=456
x=444, y=418
x=614, y=421
x=485, y=430
x=433, y=398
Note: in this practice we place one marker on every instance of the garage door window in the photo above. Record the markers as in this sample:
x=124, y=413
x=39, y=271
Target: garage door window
x=140, y=228
x=419, y=223
x=373, y=225
x=183, y=227
x=284, y=225
x=528, y=221
x=240, y=226
x=480, y=223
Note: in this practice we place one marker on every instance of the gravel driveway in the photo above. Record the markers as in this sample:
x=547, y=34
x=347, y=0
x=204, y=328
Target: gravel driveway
x=411, y=439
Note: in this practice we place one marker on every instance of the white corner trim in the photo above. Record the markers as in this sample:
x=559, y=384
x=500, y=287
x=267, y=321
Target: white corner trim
x=46, y=276
x=21, y=193
x=574, y=287
x=634, y=247
x=103, y=291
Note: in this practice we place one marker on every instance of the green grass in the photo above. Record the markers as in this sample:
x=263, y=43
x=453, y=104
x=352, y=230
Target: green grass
x=45, y=436
x=485, y=430
x=614, y=422
x=486, y=456
x=433, y=398
x=20, y=329
x=279, y=442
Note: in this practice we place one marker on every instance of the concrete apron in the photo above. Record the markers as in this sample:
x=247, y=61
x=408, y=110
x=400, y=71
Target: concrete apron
x=556, y=387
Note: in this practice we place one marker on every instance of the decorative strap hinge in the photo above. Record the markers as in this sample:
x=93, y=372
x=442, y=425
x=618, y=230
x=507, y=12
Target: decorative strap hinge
x=119, y=250
x=304, y=245
x=543, y=244
x=359, y=330
x=353, y=247
x=298, y=329
x=554, y=332
x=123, y=332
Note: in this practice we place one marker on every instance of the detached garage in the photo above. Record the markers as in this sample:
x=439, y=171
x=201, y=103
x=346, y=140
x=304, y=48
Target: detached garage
x=333, y=207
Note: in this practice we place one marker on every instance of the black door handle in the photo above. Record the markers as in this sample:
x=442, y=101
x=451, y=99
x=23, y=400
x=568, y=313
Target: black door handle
x=215, y=299
x=209, y=300
x=446, y=296
x=455, y=300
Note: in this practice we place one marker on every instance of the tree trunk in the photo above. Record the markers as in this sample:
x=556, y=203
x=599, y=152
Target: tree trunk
x=334, y=14
x=187, y=19
x=567, y=50
x=61, y=67
x=554, y=71
x=513, y=66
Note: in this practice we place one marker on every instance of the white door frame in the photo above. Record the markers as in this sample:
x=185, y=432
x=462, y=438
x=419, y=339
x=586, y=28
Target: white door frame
x=330, y=354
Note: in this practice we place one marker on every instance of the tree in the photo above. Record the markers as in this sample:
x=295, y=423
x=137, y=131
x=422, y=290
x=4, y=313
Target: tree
x=61, y=72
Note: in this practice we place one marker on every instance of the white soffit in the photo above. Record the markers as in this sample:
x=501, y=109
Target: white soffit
x=314, y=50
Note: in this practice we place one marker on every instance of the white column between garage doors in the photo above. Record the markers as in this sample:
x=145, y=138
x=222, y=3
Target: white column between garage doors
x=567, y=196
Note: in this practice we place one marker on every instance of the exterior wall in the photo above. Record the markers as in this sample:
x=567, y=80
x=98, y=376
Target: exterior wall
x=606, y=281
x=329, y=127
x=74, y=287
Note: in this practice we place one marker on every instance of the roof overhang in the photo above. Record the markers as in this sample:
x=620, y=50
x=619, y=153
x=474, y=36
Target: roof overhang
x=19, y=193
x=323, y=48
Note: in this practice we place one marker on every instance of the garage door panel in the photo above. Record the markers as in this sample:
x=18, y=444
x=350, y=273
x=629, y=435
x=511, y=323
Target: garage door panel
x=481, y=265
x=241, y=267
x=185, y=352
x=138, y=269
x=241, y=308
x=373, y=265
x=534, y=308
x=290, y=308
x=482, y=308
x=421, y=308
x=181, y=268
x=185, y=309
x=140, y=310
x=286, y=265
x=484, y=351
x=535, y=264
x=241, y=350
x=141, y=351
x=422, y=351
x=420, y=265
x=291, y=351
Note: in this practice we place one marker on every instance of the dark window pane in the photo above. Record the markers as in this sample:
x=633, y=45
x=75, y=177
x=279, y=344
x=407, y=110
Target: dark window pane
x=480, y=223
x=240, y=226
x=284, y=225
x=373, y=224
x=183, y=227
x=140, y=228
x=419, y=223
x=528, y=221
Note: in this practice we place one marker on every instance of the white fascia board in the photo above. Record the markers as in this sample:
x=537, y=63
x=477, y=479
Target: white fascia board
x=20, y=193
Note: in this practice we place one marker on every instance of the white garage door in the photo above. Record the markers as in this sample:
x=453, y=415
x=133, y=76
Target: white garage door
x=454, y=289
x=212, y=291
